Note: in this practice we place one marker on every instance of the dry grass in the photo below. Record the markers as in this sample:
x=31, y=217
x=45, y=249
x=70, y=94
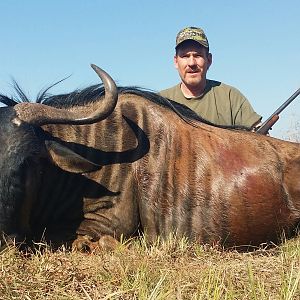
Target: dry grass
x=169, y=270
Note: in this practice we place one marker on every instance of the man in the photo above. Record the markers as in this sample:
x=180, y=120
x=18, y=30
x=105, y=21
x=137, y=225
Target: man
x=214, y=101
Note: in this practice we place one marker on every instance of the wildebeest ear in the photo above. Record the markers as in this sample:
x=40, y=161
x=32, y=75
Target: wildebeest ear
x=68, y=160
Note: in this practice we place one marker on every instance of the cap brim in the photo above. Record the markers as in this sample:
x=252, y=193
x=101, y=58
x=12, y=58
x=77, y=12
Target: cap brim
x=199, y=42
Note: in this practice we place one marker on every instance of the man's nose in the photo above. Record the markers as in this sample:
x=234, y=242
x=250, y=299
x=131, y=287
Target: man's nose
x=191, y=61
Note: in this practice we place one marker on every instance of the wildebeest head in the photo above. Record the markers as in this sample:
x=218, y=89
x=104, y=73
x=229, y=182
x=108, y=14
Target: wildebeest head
x=23, y=145
x=18, y=145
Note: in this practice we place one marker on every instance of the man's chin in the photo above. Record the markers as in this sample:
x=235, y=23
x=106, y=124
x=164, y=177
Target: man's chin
x=194, y=78
x=193, y=82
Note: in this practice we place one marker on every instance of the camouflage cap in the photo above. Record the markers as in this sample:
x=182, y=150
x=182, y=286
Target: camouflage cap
x=192, y=33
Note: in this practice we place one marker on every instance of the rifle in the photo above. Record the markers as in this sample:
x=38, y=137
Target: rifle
x=267, y=125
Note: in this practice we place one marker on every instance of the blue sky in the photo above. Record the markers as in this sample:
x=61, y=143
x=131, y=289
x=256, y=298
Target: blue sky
x=255, y=46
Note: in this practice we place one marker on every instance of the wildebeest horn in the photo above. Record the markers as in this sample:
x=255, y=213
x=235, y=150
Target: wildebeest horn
x=40, y=114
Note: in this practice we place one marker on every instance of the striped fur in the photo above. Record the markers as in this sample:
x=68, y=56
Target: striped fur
x=159, y=173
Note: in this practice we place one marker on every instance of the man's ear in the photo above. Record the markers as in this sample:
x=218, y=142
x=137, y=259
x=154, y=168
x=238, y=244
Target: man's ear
x=209, y=59
x=175, y=61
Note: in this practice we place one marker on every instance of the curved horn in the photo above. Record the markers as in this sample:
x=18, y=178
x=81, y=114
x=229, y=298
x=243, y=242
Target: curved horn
x=40, y=114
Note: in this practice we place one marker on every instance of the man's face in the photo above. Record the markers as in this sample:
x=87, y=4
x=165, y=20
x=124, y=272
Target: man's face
x=192, y=62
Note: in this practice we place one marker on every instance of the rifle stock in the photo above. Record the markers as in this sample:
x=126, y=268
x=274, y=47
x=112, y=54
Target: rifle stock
x=265, y=127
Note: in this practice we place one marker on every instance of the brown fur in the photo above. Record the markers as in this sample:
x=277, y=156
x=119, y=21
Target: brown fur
x=210, y=184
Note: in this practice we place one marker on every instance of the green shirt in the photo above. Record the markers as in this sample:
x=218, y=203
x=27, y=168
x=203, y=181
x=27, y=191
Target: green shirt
x=220, y=104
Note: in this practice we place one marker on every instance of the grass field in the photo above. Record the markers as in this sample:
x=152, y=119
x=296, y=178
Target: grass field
x=168, y=270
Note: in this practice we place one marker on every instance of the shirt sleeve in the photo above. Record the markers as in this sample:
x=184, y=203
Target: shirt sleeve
x=244, y=112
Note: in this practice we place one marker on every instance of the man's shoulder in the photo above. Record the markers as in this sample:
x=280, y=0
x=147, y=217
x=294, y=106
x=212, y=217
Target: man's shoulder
x=221, y=88
x=170, y=92
x=220, y=85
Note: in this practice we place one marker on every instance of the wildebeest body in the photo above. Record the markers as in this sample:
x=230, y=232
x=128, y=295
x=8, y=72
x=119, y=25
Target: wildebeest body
x=200, y=182
x=155, y=173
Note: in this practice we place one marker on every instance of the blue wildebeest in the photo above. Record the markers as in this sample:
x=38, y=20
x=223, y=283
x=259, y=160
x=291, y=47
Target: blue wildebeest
x=105, y=162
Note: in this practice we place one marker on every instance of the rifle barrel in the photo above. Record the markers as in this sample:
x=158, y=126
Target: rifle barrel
x=287, y=102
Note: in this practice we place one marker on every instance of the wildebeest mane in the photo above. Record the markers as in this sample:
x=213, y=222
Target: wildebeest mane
x=93, y=92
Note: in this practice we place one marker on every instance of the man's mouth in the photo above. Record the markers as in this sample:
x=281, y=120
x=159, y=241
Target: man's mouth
x=193, y=71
